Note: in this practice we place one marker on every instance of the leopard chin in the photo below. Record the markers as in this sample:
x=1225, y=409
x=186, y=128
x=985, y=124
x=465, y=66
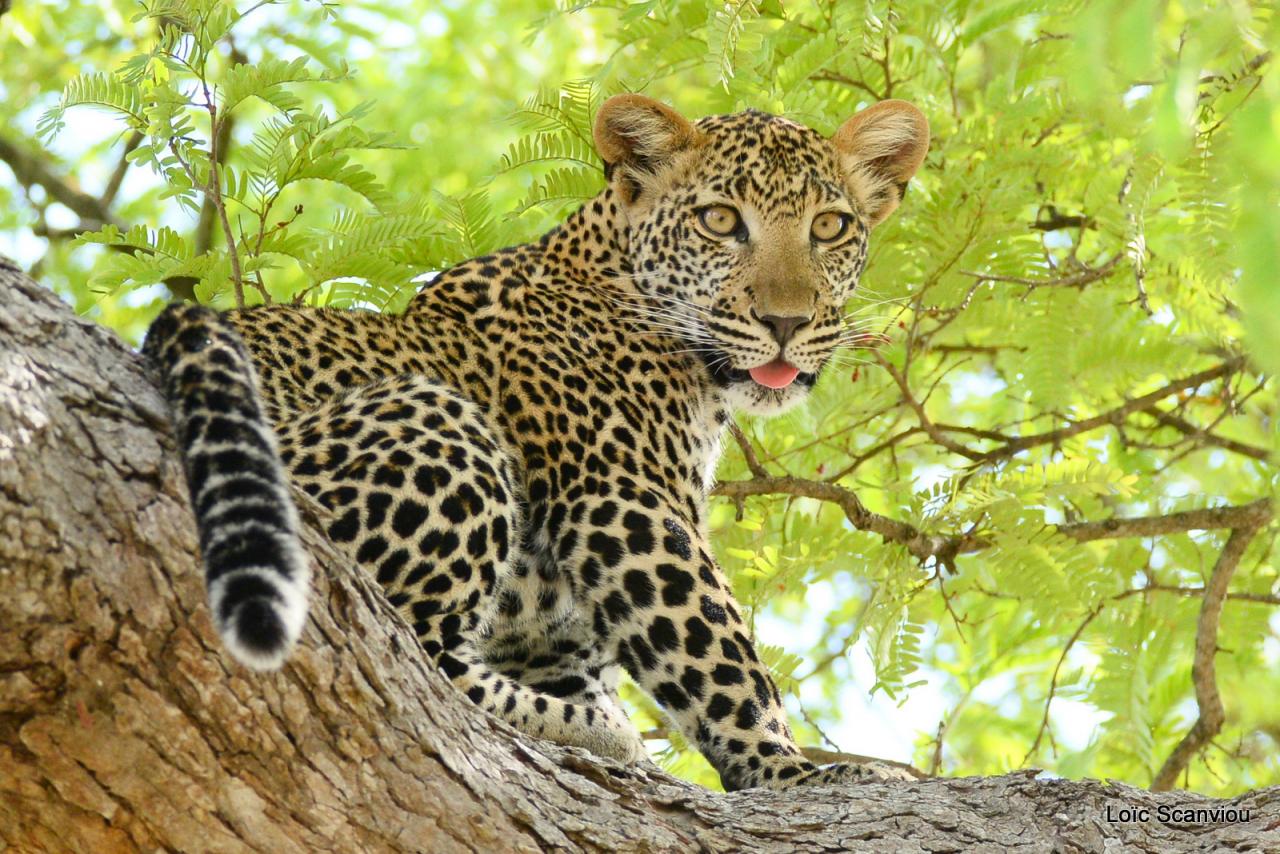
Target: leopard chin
x=754, y=399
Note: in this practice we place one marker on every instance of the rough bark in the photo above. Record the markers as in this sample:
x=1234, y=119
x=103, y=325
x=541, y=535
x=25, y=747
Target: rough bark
x=124, y=727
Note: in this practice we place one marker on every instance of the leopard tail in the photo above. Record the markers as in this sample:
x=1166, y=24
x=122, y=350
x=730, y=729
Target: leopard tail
x=256, y=570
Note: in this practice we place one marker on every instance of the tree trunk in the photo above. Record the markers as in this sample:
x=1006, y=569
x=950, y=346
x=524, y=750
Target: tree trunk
x=124, y=727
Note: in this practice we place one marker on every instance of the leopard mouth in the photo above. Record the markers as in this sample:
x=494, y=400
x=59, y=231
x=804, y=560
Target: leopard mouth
x=723, y=374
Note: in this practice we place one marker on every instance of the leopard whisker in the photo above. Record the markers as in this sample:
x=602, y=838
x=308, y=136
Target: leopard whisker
x=689, y=330
x=633, y=304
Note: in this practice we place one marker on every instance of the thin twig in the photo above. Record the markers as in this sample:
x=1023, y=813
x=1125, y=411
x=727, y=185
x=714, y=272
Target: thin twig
x=1076, y=280
x=984, y=349
x=214, y=191
x=936, y=434
x=1053, y=221
x=935, y=761
x=1053, y=680
x=885, y=60
x=1198, y=592
x=845, y=80
x=209, y=210
x=748, y=451
x=1116, y=415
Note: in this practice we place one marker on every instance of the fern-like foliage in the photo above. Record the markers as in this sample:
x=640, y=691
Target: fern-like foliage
x=181, y=97
x=556, y=148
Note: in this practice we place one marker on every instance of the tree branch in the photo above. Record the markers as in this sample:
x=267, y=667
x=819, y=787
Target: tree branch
x=1203, y=671
x=31, y=170
x=122, y=166
x=1252, y=515
x=1244, y=522
x=1207, y=436
x=922, y=546
x=947, y=546
x=94, y=212
x=1116, y=415
x=1113, y=416
x=1013, y=444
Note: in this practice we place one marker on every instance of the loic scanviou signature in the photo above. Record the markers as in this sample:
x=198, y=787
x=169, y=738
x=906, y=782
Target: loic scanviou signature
x=1174, y=814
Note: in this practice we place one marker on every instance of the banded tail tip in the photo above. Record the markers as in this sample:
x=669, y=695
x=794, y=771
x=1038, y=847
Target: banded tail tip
x=260, y=609
x=257, y=634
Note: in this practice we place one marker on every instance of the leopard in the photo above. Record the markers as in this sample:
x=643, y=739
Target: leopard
x=523, y=457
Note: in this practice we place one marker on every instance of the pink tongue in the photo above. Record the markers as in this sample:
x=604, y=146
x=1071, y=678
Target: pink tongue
x=776, y=374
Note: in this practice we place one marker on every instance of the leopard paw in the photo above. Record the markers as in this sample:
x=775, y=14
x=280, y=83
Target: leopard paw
x=860, y=772
x=615, y=738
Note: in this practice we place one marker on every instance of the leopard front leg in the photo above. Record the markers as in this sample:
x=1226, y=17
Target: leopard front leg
x=661, y=604
x=560, y=657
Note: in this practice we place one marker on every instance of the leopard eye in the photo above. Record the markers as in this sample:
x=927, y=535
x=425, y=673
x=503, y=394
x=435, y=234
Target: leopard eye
x=830, y=226
x=720, y=220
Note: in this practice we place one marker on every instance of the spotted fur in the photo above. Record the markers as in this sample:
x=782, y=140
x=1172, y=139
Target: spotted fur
x=522, y=458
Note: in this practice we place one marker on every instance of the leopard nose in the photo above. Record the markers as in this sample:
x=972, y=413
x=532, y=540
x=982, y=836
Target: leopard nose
x=784, y=327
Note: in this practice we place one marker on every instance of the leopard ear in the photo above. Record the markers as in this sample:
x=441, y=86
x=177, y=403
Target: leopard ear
x=880, y=149
x=637, y=134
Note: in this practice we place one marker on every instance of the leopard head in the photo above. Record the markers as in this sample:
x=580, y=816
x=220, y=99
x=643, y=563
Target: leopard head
x=747, y=233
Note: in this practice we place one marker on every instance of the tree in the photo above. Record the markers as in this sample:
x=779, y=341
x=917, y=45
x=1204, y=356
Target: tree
x=125, y=728
x=1047, y=474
